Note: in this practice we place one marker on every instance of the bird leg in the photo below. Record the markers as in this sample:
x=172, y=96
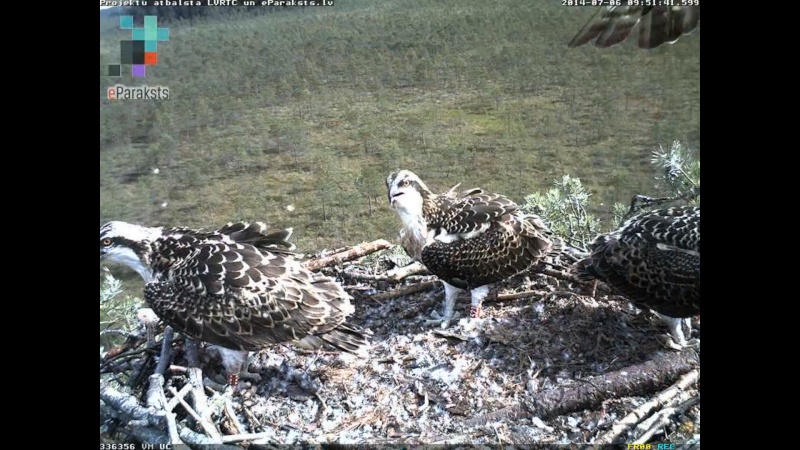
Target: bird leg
x=235, y=363
x=476, y=308
x=450, y=295
x=677, y=340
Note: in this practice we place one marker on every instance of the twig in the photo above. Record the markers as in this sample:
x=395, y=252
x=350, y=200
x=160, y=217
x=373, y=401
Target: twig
x=246, y=437
x=166, y=351
x=208, y=427
x=172, y=429
x=394, y=275
x=631, y=381
x=348, y=255
x=235, y=424
x=173, y=402
x=198, y=394
x=129, y=406
x=647, y=407
x=662, y=418
x=518, y=295
x=405, y=290
x=155, y=392
x=401, y=272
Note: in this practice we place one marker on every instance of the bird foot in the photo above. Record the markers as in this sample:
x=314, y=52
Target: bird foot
x=442, y=321
x=676, y=344
x=251, y=376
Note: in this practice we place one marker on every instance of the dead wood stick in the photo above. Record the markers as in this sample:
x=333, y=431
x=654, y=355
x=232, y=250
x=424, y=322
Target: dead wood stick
x=348, y=255
x=401, y=272
x=662, y=418
x=173, y=402
x=199, y=398
x=129, y=406
x=247, y=437
x=208, y=427
x=518, y=295
x=155, y=392
x=172, y=429
x=638, y=379
x=147, y=434
x=234, y=422
x=166, y=351
x=405, y=290
x=647, y=407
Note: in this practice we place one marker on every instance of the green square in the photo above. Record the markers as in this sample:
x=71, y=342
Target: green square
x=163, y=34
x=150, y=34
x=138, y=34
x=151, y=46
x=126, y=22
x=150, y=22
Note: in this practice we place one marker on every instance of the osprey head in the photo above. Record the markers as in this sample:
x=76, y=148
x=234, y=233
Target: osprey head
x=406, y=192
x=128, y=244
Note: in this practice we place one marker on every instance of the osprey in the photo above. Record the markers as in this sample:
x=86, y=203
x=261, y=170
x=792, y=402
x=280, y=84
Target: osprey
x=657, y=25
x=653, y=260
x=469, y=239
x=238, y=288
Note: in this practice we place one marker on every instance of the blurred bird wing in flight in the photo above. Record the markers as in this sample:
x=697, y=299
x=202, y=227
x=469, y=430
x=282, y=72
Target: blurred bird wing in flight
x=657, y=25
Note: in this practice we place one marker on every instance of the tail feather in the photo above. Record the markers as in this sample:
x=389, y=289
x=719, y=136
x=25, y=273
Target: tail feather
x=346, y=337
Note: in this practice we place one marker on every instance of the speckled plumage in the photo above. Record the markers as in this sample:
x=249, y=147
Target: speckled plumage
x=657, y=25
x=238, y=287
x=653, y=259
x=469, y=239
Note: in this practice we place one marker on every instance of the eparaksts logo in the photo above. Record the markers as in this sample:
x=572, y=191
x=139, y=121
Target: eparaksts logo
x=120, y=92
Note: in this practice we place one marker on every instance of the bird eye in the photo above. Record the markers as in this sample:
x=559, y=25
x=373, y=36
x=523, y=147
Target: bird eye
x=405, y=183
x=106, y=242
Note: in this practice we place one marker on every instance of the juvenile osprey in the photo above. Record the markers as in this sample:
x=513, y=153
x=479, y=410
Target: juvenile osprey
x=238, y=288
x=469, y=239
x=653, y=260
x=657, y=25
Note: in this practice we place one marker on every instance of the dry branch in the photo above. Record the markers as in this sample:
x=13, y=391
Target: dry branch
x=652, y=425
x=347, y=255
x=636, y=380
x=518, y=295
x=647, y=407
x=401, y=272
x=405, y=290
x=394, y=275
x=129, y=406
x=166, y=351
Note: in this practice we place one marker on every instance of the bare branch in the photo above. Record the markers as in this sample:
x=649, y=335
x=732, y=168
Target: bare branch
x=347, y=255
x=405, y=290
x=647, y=407
x=631, y=381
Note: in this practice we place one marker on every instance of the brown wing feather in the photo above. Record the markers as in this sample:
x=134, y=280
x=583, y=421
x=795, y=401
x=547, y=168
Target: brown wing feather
x=657, y=25
x=512, y=244
x=654, y=260
x=239, y=297
x=468, y=211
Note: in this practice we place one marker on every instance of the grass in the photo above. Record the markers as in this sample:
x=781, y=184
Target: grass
x=314, y=107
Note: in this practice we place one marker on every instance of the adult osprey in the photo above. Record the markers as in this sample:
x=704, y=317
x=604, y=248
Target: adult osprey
x=657, y=25
x=469, y=239
x=653, y=260
x=238, y=288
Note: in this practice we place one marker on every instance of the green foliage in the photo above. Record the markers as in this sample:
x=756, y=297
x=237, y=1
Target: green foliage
x=116, y=311
x=678, y=169
x=565, y=208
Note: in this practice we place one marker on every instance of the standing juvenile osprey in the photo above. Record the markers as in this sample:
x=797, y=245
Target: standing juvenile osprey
x=238, y=288
x=469, y=239
x=657, y=25
x=653, y=260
